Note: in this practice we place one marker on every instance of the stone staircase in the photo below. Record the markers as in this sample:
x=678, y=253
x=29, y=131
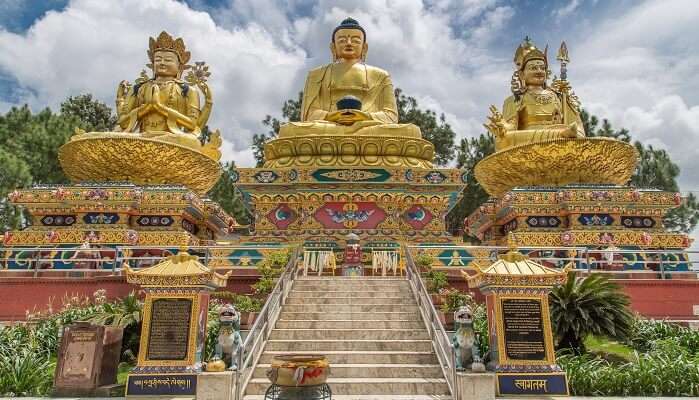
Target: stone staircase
x=371, y=331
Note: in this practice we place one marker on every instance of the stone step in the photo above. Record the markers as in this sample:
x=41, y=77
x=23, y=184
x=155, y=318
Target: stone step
x=356, y=386
x=372, y=371
x=350, y=300
x=362, y=357
x=295, y=294
x=353, y=278
x=348, y=324
x=348, y=334
x=347, y=286
x=354, y=316
x=369, y=397
x=338, y=308
x=421, y=345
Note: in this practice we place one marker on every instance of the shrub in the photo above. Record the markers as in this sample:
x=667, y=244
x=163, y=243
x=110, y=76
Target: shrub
x=25, y=370
x=658, y=373
x=646, y=332
x=453, y=300
x=424, y=260
x=590, y=305
x=436, y=281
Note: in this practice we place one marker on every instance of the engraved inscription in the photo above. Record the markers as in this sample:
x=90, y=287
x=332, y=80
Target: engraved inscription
x=169, y=329
x=523, y=329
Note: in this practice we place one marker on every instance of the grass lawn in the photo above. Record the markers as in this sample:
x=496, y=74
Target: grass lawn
x=603, y=346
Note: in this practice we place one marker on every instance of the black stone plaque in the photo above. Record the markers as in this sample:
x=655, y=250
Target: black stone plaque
x=161, y=384
x=523, y=329
x=168, y=336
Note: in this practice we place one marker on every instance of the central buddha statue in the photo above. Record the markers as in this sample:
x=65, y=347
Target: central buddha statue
x=348, y=115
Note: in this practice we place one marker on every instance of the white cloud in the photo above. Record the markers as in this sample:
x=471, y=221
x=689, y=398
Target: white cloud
x=562, y=12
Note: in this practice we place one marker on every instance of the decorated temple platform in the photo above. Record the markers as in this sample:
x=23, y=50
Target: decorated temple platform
x=325, y=204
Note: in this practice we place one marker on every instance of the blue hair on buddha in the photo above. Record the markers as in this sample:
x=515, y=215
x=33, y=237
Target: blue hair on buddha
x=349, y=23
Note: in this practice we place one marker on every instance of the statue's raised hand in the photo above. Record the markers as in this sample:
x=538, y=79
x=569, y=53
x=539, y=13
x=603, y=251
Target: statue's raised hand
x=496, y=123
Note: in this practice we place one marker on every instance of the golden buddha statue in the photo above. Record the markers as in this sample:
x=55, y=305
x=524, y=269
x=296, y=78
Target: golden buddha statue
x=166, y=106
x=158, y=138
x=343, y=101
x=539, y=137
x=535, y=112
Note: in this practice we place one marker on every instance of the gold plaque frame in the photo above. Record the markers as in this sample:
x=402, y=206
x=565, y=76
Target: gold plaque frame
x=546, y=326
x=145, y=331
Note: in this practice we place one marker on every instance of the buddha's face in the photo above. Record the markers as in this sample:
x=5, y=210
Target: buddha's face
x=534, y=73
x=166, y=64
x=349, y=44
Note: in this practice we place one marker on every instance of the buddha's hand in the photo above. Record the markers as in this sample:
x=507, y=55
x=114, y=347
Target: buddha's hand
x=496, y=123
x=347, y=117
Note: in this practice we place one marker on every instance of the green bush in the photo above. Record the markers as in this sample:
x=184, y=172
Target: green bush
x=665, y=372
x=25, y=370
x=424, y=260
x=645, y=333
x=436, y=281
x=480, y=326
x=453, y=300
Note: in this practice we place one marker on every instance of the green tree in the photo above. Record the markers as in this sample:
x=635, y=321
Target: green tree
x=655, y=169
x=225, y=194
x=434, y=129
x=468, y=154
x=291, y=111
x=593, y=305
x=94, y=116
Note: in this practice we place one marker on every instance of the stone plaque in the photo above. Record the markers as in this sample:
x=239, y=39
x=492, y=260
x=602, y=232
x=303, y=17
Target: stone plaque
x=87, y=358
x=161, y=384
x=523, y=329
x=168, y=336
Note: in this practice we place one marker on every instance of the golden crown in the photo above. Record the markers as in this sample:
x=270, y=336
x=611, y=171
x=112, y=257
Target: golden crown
x=168, y=43
x=527, y=51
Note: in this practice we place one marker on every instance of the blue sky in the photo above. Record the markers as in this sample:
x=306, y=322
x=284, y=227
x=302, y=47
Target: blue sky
x=633, y=62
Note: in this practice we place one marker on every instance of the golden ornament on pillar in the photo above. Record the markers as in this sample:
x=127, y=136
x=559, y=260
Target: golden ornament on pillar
x=540, y=138
x=349, y=115
x=159, y=137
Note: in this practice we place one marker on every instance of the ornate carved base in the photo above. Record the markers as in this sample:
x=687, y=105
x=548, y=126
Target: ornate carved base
x=557, y=162
x=130, y=157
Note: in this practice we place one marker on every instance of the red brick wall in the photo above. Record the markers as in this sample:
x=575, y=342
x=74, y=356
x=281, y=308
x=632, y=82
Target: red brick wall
x=672, y=298
x=19, y=294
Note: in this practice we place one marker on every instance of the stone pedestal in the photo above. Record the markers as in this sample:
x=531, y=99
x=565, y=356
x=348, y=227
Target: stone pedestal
x=472, y=386
x=216, y=385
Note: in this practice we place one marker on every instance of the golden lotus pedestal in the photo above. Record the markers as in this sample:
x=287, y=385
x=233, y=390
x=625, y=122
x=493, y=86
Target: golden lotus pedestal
x=556, y=163
x=349, y=151
x=572, y=193
x=130, y=157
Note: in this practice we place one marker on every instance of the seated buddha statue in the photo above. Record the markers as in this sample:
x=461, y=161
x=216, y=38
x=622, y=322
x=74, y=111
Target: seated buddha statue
x=347, y=96
x=165, y=106
x=535, y=112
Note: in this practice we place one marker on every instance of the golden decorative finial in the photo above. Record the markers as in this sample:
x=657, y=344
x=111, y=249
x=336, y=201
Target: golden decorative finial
x=511, y=242
x=168, y=43
x=563, y=53
x=563, y=58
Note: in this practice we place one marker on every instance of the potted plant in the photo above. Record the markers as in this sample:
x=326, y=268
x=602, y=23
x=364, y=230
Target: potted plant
x=424, y=261
x=248, y=308
x=436, y=282
x=453, y=300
